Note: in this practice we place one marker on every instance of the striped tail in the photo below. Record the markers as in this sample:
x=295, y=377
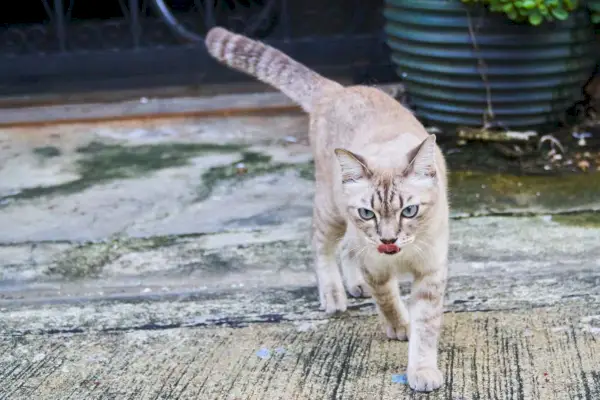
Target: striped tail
x=269, y=65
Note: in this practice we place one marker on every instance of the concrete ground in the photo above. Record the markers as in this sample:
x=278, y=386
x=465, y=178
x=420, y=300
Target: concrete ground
x=169, y=259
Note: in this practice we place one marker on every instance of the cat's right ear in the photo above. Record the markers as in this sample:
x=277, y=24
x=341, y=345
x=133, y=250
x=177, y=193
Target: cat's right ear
x=354, y=167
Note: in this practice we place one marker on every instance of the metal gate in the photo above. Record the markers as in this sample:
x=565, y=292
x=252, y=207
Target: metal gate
x=63, y=45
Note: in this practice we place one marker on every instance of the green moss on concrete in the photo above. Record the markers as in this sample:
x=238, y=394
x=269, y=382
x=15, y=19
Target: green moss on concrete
x=307, y=170
x=479, y=191
x=583, y=220
x=88, y=260
x=47, y=151
x=101, y=163
x=251, y=164
x=83, y=261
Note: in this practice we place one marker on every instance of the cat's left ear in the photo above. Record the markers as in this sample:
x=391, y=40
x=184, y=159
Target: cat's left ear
x=423, y=163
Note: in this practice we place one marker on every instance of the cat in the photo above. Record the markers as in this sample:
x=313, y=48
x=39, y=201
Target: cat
x=381, y=197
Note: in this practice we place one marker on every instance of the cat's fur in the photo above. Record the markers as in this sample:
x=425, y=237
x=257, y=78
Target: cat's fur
x=370, y=152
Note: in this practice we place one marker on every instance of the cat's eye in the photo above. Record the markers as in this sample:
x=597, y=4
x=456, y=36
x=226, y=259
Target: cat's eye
x=410, y=211
x=366, y=214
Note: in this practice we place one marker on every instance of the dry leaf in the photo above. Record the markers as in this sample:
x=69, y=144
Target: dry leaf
x=583, y=165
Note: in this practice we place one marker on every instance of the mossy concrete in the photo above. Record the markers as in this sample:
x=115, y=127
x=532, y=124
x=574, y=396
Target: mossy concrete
x=182, y=248
x=47, y=151
x=474, y=192
x=589, y=220
x=179, y=177
x=186, y=317
x=251, y=164
x=102, y=163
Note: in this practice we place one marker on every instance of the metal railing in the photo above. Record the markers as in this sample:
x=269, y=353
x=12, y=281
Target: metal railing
x=164, y=38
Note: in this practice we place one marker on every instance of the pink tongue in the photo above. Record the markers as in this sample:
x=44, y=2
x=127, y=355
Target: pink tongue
x=388, y=248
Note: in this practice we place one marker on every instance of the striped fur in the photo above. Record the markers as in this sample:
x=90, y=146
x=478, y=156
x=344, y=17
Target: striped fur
x=269, y=65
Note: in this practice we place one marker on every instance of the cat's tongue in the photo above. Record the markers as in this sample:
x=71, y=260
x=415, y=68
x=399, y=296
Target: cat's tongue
x=388, y=248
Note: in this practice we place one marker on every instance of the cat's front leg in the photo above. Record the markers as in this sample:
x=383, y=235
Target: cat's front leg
x=426, y=313
x=391, y=309
x=350, y=263
x=332, y=294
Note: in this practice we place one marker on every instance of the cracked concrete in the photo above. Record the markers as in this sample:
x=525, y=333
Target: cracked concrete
x=163, y=277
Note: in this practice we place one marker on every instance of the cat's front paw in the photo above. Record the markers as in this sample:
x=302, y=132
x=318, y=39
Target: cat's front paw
x=399, y=332
x=358, y=289
x=333, y=299
x=425, y=379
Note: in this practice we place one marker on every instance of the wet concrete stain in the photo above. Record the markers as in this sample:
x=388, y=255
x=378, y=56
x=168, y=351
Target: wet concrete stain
x=472, y=190
x=88, y=259
x=250, y=165
x=582, y=220
x=47, y=151
x=100, y=163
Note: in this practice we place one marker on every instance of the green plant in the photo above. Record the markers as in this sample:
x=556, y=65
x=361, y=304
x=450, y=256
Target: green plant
x=533, y=11
x=594, y=6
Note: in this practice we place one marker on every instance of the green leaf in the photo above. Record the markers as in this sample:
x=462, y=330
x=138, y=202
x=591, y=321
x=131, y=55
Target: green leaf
x=508, y=7
x=512, y=14
x=570, y=4
x=535, y=18
x=560, y=14
x=596, y=18
x=529, y=4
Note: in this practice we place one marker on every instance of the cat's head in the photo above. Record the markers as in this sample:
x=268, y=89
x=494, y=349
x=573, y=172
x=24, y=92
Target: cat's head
x=390, y=207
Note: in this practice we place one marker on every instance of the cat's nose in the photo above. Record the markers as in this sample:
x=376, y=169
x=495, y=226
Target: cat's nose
x=388, y=241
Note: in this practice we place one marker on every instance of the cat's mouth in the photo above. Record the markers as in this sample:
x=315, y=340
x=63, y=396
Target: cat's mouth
x=388, y=249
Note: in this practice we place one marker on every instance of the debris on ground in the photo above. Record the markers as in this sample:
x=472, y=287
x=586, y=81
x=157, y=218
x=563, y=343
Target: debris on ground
x=263, y=353
x=399, y=378
x=305, y=326
x=552, y=151
x=490, y=135
x=240, y=168
x=583, y=165
x=581, y=136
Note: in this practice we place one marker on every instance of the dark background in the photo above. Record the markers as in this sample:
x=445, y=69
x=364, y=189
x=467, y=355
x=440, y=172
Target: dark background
x=77, y=45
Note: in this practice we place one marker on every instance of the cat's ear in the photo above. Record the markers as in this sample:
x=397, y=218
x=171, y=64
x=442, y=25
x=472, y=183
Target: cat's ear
x=423, y=162
x=354, y=167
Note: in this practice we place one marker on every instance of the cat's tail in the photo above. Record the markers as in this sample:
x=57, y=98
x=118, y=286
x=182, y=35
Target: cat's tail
x=269, y=65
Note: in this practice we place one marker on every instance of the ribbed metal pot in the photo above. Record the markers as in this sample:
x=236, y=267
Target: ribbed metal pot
x=455, y=59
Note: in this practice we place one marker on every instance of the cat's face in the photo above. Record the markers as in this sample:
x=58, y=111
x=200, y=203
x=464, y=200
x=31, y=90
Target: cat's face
x=390, y=209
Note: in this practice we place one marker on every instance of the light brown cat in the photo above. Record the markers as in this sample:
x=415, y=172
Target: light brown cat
x=380, y=191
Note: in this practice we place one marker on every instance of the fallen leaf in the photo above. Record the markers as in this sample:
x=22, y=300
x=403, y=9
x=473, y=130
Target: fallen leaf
x=583, y=165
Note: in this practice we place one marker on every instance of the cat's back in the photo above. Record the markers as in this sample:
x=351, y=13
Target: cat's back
x=361, y=113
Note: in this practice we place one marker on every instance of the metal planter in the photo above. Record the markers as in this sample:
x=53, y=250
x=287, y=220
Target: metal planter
x=463, y=65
